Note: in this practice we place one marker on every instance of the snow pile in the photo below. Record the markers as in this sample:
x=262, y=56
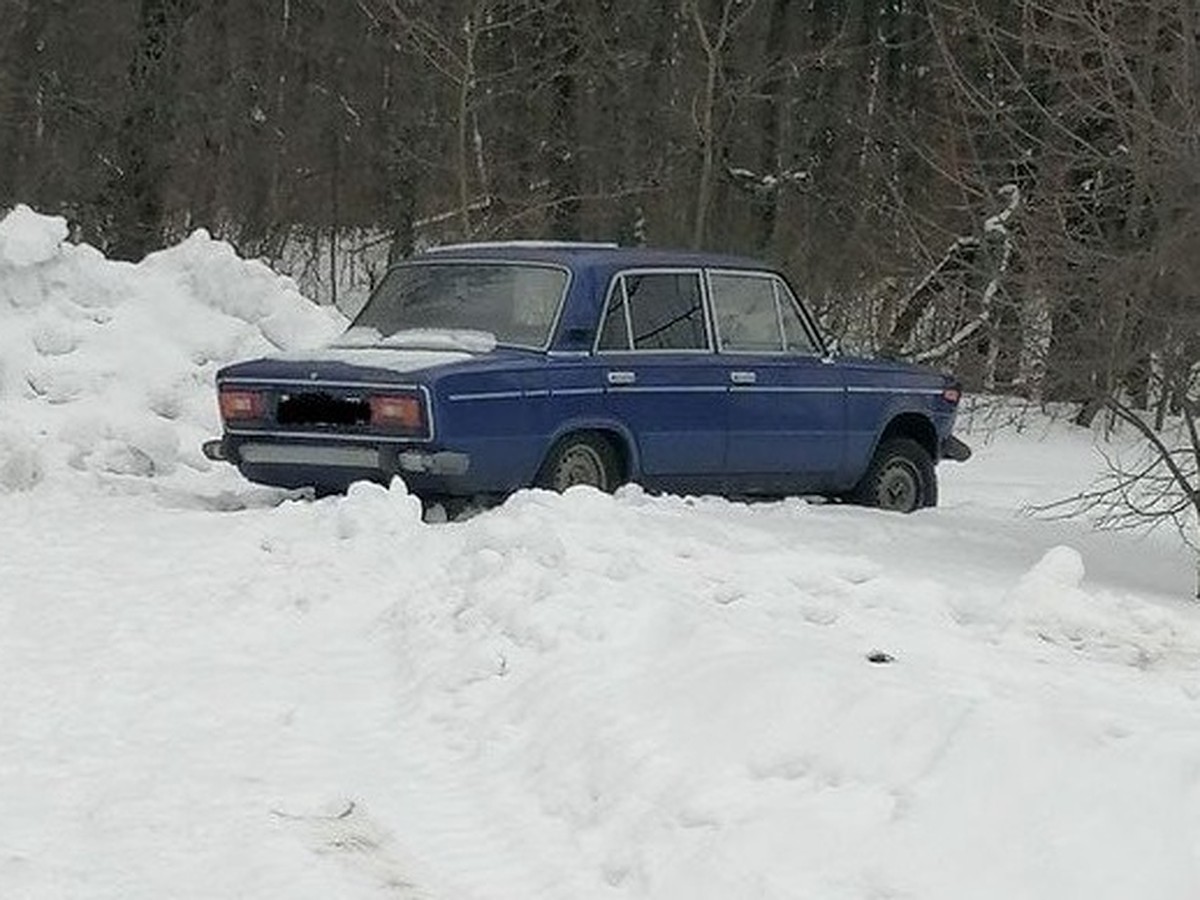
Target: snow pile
x=108, y=367
x=27, y=238
x=1051, y=602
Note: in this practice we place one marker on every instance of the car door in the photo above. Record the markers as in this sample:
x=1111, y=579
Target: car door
x=787, y=400
x=661, y=377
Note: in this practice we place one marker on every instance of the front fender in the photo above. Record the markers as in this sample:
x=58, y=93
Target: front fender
x=898, y=414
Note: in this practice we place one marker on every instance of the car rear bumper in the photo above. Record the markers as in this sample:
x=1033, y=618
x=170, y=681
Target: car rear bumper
x=295, y=464
x=215, y=450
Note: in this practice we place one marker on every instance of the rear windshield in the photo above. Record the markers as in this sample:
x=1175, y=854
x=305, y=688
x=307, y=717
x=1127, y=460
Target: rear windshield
x=516, y=303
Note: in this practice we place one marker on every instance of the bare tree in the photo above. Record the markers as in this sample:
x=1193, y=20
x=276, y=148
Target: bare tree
x=714, y=38
x=448, y=40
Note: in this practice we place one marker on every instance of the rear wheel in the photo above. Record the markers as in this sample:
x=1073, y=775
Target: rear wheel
x=900, y=478
x=582, y=458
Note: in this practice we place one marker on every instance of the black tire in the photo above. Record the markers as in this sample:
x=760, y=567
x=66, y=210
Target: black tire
x=900, y=478
x=584, y=457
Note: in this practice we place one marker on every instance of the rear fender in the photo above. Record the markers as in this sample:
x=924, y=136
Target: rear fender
x=621, y=435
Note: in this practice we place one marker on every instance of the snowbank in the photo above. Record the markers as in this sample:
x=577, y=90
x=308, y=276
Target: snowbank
x=107, y=367
x=583, y=696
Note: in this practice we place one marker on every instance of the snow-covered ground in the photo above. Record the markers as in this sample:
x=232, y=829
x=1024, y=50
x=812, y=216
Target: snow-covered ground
x=210, y=691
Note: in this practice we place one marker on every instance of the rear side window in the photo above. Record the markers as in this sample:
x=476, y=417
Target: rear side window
x=615, y=333
x=757, y=314
x=655, y=311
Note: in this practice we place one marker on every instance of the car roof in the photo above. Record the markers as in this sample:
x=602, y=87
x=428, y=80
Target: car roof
x=576, y=255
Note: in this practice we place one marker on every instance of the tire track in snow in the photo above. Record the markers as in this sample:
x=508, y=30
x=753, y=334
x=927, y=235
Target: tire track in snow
x=360, y=843
x=464, y=817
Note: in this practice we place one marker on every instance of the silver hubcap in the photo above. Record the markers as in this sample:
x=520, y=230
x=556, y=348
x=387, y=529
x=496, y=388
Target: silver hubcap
x=899, y=487
x=580, y=464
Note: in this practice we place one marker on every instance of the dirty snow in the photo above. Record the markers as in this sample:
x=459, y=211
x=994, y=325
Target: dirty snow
x=210, y=690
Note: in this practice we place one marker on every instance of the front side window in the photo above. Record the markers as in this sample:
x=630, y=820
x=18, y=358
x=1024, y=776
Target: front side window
x=747, y=314
x=655, y=311
x=516, y=303
x=796, y=335
x=757, y=314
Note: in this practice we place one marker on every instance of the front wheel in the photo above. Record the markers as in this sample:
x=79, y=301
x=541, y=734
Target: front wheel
x=900, y=478
x=582, y=458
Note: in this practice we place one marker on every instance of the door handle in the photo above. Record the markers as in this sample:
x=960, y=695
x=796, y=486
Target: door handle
x=743, y=377
x=622, y=377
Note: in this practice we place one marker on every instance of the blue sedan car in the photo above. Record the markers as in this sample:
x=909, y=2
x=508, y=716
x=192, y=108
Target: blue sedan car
x=475, y=370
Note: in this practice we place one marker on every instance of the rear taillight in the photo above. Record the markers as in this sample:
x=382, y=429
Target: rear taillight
x=240, y=405
x=401, y=412
x=951, y=394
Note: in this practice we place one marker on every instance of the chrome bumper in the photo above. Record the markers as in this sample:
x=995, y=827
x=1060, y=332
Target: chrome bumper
x=309, y=455
x=215, y=450
x=443, y=462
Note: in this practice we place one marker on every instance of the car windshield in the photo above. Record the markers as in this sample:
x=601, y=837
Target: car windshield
x=516, y=303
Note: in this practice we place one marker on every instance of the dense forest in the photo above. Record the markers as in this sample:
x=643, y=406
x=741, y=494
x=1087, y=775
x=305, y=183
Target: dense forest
x=1007, y=187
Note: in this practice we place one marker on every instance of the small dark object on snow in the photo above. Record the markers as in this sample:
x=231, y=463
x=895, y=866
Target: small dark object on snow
x=880, y=658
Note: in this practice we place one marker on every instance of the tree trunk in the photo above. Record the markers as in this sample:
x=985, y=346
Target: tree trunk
x=463, y=123
x=771, y=124
x=564, y=171
x=1196, y=540
x=207, y=194
x=135, y=194
x=707, y=152
x=17, y=151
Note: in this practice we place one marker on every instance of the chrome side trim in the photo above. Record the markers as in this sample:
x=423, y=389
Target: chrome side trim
x=784, y=389
x=533, y=394
x=488, y=395
x=860, y=389
x=668, y=389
